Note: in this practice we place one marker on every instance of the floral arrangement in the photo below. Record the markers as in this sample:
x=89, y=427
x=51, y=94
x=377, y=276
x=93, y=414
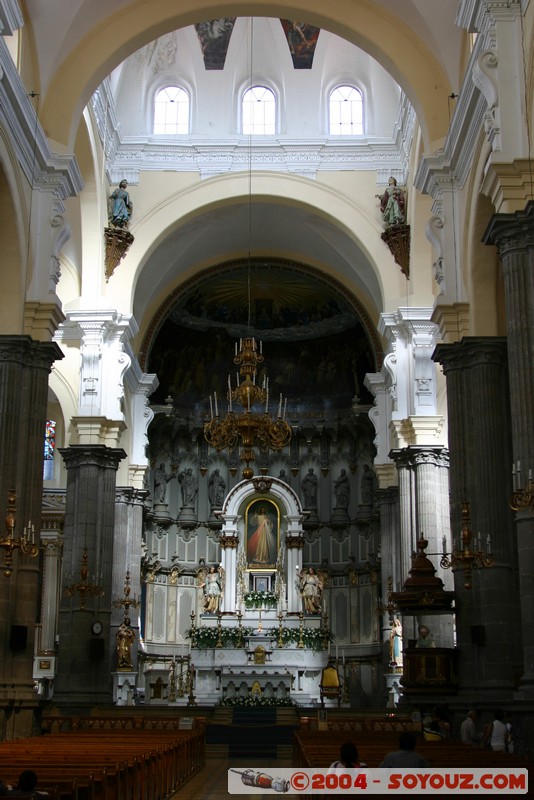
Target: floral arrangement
x=204, y=638
x=312, y=638
x=258, y=702
x=260, y=600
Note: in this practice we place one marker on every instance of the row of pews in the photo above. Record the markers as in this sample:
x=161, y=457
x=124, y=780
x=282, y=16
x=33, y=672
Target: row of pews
x=105, y=759
x=320, y=748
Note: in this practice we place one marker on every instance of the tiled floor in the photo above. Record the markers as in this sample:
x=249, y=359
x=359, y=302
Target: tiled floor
x=212, y=782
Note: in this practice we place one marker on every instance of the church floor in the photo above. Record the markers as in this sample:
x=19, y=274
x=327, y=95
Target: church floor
x=212, y=782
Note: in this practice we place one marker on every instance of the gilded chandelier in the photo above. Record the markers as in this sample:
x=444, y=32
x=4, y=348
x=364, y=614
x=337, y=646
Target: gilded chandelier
x=251, y=427
x=470, y=554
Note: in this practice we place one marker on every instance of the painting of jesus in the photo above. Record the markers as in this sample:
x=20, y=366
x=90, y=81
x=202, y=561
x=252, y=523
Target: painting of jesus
x=262, y=531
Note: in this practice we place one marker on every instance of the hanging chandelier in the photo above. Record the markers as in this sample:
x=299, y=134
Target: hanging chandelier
x=250, y=427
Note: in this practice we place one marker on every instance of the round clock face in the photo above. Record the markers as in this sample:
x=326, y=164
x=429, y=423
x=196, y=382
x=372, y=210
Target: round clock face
x=96, y=627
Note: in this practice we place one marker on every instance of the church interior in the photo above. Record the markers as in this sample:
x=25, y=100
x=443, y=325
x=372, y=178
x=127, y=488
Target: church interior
x=267, y=361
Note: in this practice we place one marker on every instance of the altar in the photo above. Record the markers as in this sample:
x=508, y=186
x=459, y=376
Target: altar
x=258, y=630
x=274, y=659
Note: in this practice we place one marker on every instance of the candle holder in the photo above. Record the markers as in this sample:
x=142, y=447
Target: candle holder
x=300, y=644
x=219, y=642
x=345, y=695
x=126, y=602
x=10, y=543
x=83, y=587
x=193, y=631
x=180, y=692
x=191, y=700
x=280, y=642
x=522, y=498
x=326, y=632
x=239, y=642
x=469, y=555
x=172, y=682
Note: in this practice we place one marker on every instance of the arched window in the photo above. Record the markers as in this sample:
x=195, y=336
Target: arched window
x=346, y=111
x=259, y=111
x=171, y=111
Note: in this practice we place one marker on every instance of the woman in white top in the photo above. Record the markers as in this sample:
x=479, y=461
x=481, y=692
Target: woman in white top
x=496, y=734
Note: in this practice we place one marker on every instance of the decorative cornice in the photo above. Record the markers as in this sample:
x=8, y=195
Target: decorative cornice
x=127, y=156
x=11, y=18
x=43, y=169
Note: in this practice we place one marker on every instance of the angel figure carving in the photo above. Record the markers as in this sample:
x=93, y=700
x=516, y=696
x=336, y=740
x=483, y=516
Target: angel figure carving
x=212, y=582
x=311, y=589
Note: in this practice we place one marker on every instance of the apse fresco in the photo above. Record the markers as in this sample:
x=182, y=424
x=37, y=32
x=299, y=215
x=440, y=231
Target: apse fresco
x=302, y=41
x=316, y=349
x=214, y=37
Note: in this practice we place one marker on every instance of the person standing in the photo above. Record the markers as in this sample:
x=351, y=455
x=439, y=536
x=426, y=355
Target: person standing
x=496, y=733
x=468, y=729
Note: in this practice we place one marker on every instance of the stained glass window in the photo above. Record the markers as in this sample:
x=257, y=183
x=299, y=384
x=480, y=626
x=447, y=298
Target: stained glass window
x=49, y=450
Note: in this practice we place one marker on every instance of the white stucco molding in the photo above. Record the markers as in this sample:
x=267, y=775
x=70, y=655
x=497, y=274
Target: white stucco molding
x=11, y=18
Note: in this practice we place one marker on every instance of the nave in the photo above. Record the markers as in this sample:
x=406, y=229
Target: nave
x=211, y=783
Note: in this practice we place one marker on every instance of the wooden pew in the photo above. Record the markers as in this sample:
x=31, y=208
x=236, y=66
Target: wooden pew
x=108, y=763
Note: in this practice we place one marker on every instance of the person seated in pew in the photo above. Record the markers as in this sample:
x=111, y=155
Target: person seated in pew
x=405, y=756
x=348, y=757
x=26, y=786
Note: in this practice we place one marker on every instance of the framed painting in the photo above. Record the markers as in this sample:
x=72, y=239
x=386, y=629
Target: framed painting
x=262, y=583
x=262, y=530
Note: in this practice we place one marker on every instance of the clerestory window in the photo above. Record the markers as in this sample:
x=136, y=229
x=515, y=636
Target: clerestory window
x=345, y=111
x=259, y=111
x=171, y=111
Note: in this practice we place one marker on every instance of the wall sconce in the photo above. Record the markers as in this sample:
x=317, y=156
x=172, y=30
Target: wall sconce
x=10, y=542
x=469, y=555
x=521, y=498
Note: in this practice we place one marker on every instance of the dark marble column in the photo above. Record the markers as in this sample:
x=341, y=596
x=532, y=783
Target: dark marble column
x=487, y=626
x=84, y=665
x=25, y=366
x=513, y=234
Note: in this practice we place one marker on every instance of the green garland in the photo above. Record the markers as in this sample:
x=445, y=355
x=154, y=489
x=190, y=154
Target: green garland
x=205, y=638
